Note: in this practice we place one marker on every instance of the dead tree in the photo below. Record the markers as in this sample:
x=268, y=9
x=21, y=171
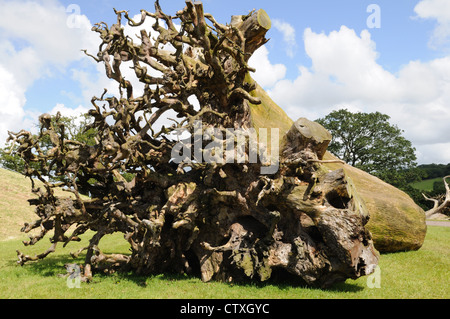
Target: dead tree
x=441, y=203
x=222, y=219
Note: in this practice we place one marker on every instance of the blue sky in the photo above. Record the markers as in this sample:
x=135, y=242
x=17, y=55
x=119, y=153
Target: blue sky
x=323, y=55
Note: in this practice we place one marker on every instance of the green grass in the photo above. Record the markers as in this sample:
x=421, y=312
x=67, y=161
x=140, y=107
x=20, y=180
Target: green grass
x=415, y=274
x=426, y=184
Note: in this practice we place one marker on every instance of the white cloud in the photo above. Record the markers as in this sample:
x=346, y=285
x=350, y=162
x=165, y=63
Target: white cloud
x=438, y=153
x=67, y=111
x=36, y=41
x=440, y=11
x=288, y=32
x=46, y=38
x=345, y=73
x=13, y=98
x=266, y=74
x=70, y=112
x=356, y=56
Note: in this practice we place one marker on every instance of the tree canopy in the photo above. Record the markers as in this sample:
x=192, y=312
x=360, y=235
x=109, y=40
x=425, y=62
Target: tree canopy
x=369, y=142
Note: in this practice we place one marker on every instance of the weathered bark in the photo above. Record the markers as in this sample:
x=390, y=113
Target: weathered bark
x=224, y=220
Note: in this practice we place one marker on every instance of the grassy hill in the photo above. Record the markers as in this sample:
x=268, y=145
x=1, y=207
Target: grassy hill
x=15, y=190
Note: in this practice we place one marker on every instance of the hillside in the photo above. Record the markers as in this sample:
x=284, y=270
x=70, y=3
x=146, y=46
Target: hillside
x=15, y=190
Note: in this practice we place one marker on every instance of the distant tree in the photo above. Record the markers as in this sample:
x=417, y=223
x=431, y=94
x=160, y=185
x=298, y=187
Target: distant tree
x=402, y=178
x=11, y=162
x=435, y=170
x=76, y=128
x=369, y=142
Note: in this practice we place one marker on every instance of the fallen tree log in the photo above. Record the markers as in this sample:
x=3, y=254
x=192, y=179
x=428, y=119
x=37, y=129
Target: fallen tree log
x=396, y=222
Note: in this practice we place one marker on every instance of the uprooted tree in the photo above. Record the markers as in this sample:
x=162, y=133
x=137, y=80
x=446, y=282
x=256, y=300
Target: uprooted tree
x=224, y=219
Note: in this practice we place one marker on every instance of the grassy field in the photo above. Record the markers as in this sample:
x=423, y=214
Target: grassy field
x=426, y=184
x=417, y=274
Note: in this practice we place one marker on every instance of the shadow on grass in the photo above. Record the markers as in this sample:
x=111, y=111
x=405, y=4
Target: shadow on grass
x=281, y=283
x=48, y=267
x=55, y=266
x=285, y=281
